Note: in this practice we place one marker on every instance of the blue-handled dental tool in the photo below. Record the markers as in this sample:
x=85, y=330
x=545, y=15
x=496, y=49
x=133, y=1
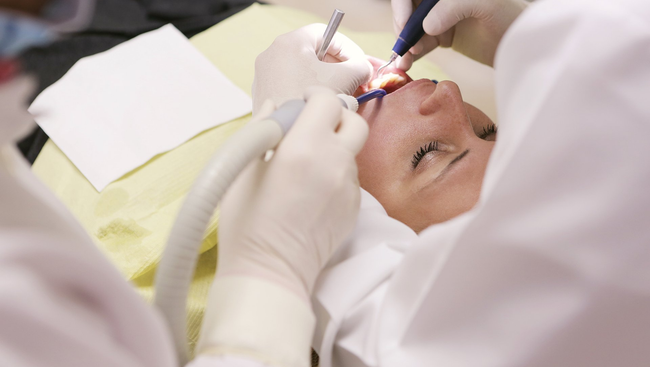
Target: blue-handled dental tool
x=369, y=96
x=411, y=34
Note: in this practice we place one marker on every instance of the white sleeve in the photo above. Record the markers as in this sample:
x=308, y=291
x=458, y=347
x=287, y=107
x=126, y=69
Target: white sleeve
x=349, y=292
x=553, y=266
x=63, y=305
x=257, y=319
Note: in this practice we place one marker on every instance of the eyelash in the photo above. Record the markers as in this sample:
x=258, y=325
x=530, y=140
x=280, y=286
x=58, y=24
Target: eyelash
x=488, y=130
x=433, y=146
x=417, y=157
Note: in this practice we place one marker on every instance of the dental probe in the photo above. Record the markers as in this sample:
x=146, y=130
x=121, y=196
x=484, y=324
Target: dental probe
x=411, y=34
x=330, y=31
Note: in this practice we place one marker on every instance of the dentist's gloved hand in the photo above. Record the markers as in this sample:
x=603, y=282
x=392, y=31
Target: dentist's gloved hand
x=290, y=65
x=279, y=224
x=471, y=27
x=294, y=210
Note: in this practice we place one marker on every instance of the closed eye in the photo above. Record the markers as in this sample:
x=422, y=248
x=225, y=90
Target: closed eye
x=488, y=130
x=417, y=157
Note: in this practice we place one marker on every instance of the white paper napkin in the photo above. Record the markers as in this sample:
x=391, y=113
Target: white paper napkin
x=114, y=111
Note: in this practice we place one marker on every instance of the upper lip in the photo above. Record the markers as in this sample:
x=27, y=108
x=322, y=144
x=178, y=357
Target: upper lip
x=411, y=84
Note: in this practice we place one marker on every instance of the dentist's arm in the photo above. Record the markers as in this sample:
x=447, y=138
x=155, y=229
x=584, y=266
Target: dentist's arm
x=280, y=223
x=551, y=267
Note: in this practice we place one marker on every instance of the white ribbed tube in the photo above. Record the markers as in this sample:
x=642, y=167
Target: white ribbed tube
x=178, y=263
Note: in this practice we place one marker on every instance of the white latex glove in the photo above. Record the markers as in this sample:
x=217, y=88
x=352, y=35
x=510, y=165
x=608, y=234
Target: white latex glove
x=471, y=27
x=279, y=224
x=290, y=65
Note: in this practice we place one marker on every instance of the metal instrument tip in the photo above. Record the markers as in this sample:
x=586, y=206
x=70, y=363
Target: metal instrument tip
x=393, y=57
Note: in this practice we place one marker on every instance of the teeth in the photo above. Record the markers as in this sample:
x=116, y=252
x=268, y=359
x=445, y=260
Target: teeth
x=387, y=79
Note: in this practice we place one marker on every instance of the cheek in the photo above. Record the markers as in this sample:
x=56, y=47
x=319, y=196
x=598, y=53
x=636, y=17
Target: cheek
x=440, y=202
x=478, y=119
x=379, y=163
x=374, y=169
x=364, y=163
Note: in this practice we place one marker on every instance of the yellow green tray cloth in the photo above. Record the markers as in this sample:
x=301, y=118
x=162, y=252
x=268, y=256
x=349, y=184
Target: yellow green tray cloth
x=132, y=217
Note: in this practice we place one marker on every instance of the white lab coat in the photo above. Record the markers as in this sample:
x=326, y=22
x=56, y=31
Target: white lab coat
x=62, y=304
x=552, y=267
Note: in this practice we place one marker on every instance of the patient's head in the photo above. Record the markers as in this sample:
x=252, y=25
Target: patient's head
x=426, y=154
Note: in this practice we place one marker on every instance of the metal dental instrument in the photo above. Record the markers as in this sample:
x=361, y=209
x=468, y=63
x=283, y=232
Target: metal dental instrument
x=331, y=29
x=411, y=33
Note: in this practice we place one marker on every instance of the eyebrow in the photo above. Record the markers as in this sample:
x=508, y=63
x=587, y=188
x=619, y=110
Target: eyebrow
x=444, y=171
x=460, y=156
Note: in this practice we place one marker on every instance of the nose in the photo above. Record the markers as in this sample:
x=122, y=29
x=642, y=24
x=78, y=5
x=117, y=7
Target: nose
x=446, y=96
x=445, y=110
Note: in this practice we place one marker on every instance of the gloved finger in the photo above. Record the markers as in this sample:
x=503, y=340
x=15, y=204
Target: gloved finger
x=417, y=49
x=405, y=62
x=316, y=89
x=353, y=131
x=402, y=10
x=264, y=111
x=350, y=58
x=446, y=14
x=321, y=113
x=342, y=48
x=426, y=44
x=346, y=77
x=345, y=66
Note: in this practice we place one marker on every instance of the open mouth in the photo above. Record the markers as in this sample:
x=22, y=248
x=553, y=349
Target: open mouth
x=391, y=79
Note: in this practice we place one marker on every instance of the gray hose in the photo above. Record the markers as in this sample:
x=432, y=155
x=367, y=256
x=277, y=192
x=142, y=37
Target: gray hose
x=176, y=268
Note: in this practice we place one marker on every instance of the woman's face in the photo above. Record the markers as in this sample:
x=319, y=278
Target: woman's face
x=426, y=153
